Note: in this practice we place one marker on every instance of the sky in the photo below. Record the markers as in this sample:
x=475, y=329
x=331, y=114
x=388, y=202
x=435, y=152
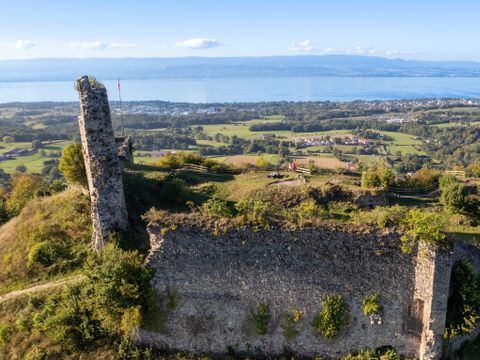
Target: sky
x=410, y=29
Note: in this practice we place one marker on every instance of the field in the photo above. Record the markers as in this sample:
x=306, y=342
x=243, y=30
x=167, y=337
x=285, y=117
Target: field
x=34, y=163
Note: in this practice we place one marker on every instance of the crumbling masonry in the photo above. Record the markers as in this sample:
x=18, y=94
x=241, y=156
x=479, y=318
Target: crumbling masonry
x=103, y=168
x=216, y=280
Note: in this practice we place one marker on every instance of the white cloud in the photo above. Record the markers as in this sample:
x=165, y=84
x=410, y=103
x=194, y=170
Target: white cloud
x=101, y=45
x=393, y=53
x=358, y=50
x=364, y=50
x=24, y=44
x=303, y=46
x=199, y=43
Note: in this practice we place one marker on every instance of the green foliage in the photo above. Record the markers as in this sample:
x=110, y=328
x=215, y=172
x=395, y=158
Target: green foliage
x=72, y=165
x=255, y=212
x=94, y=83
x=108, y=305
x=453, y=194
x=5, y=333
x=36, y=353
x=289, y=322
x=216, y=208
x=463, y=315
x=385, y=216
x=172, y=299
x=173, y=190
x=262, y=318
x=387, y=353
x=21, y=168
x=8, y=139
x=44, y=253
x=118, y=280
x=333, y=318
x=371, y=179
x=371, y=304
x=424, y=226
x=24, y=188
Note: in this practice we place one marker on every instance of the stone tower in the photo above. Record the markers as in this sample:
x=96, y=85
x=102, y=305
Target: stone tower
x=104, y=173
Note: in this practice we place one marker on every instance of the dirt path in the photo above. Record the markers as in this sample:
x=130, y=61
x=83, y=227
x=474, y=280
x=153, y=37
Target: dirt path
x=41, y=287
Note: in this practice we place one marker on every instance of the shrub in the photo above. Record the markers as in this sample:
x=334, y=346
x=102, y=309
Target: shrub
x=21, y=169
x=44, y=253
x=424, y=226
x=289, y=322
x=453, y=194
x=333, y=317
x=5, y=332
x=72, y=165
x=216, y=208
x=371, y=179
x=388, y=216
x=24, y=188
x=36, y=353
x=173, y=190
x=463, y=313
x=256, y=212
x=371, y=304
x=262, y=317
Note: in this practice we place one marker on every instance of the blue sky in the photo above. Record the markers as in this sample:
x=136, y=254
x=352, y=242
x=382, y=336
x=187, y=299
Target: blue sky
x=420, y=29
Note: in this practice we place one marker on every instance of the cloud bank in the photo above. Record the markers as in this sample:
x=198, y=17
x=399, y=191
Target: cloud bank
x=24, y=44
x=199, y=43
x=101, y=45
x=302, y=46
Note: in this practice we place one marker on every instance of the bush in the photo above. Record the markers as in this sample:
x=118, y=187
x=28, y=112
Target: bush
x=44, y=253
x=5, y=332
x=463, y=313
x=21, y=169
x=36, y=353
x=216, y=208
x=24, y=188
x=371, y=304
x=72, y=165
x=371, y=179
x=453, y=194
x=262, y=317
x=385, y=216
x=424, y=226
x=333, y=317
x=289, y=322
x=173, y=190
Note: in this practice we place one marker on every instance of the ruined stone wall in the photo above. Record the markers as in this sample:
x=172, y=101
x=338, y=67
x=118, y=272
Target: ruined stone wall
x=101, y=162
x=219, y=280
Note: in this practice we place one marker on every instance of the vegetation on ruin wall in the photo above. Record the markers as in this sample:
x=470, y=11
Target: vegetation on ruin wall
x=333, y=318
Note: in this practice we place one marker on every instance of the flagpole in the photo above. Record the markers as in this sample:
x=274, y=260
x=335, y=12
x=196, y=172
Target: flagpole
x=121, y=111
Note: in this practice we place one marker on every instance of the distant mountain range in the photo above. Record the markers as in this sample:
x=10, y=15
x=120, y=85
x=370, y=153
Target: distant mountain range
x=58, y=69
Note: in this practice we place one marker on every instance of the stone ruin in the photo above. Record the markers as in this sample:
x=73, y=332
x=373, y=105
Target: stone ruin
x=104, y=173
x=216, y=280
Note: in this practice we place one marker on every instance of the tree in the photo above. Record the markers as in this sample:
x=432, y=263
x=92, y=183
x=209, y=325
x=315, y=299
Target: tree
x=36, y=144
x=8, y=139
x=21, y=168
x=24, y=188
x=72, y=165
x=370, y=179
x=453, y=194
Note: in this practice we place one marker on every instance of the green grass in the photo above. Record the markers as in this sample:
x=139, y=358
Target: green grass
x=34, y=163
x=449, y=125
x=401, y=138
x=404, y=149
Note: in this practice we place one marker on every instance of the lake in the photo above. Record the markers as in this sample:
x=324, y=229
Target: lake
x=207, y=90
